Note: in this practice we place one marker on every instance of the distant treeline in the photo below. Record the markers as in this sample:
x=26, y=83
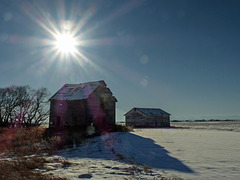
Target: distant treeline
x=205, y=120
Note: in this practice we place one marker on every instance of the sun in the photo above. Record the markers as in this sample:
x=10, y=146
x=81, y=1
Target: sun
x=65, y=43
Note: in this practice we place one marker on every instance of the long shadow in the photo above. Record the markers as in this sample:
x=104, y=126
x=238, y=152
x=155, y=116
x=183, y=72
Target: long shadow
x=146, y=152
x=127, y=145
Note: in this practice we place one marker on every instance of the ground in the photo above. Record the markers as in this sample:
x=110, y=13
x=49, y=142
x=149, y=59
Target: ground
x=188, y=151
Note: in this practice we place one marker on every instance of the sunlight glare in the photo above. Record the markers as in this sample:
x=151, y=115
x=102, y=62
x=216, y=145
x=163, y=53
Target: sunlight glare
x=66, y=43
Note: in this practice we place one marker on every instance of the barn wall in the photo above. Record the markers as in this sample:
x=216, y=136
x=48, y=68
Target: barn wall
x=158, y=121
x=68, y=113
x=101, y=105
x=93, y=105
x=58, y=113
x=77, y=113
x=137, y=119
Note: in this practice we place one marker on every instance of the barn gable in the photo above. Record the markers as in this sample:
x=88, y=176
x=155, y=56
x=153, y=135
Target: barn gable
x=78, y=91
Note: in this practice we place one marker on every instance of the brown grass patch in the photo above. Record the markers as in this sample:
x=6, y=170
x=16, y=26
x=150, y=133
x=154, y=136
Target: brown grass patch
x=22, y=150
x=23, y=168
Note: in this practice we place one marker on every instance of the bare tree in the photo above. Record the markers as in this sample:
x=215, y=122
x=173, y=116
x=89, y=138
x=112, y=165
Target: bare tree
x=9, y=100
x=23, y=106
x=36, y=106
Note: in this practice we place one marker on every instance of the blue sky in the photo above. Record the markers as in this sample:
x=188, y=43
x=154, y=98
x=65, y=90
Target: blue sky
x=181, y=56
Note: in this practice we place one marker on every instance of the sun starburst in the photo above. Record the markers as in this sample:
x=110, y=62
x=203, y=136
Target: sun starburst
x=66, y=43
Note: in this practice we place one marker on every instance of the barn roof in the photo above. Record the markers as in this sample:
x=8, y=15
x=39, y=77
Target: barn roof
x=150, y=111
x=78, y=91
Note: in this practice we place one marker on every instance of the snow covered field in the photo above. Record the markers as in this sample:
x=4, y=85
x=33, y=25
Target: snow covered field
x=201, y=154
x=205, y=151
x=210, y=125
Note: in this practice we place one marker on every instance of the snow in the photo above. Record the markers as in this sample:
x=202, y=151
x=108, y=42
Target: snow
x=208, y=154
x=105, y=158
x=77, y=91
x=188, y=153
x=154, y=111
x=150, y=111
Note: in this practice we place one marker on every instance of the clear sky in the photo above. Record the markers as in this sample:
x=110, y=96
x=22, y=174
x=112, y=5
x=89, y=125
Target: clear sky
x=182, y=56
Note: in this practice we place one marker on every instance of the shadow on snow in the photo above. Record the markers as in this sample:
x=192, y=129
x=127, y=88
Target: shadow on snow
x=129, y=147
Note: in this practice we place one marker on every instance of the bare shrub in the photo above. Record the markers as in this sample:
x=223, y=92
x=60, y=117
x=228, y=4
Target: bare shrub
x=147, y=169
x=57, y=142
x=63, y=161
x=120, y=156
x=120, y=128
x=130, y=128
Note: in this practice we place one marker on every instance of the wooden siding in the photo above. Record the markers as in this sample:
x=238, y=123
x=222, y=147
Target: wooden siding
x=137, y=119
x=58, y=113
x=98, y=108
x=101, y=104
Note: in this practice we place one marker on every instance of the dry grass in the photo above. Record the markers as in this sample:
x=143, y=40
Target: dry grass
x=22, y=141
x=24, y=150
x=147, y=169
x=25, y=154
x=23, y=169
x=121, y=128
x=136, y=171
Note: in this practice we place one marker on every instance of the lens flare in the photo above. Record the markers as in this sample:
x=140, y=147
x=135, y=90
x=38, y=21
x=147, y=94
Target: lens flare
x=66, y=37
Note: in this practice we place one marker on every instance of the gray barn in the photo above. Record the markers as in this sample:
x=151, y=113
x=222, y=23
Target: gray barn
x=83, y=104
x=147, y=117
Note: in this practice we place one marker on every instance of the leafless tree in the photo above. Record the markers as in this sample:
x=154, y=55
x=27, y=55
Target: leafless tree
x=23, y=106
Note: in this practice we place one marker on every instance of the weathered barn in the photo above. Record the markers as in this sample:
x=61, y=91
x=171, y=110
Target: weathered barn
x=83, y=104
x=147, y=117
